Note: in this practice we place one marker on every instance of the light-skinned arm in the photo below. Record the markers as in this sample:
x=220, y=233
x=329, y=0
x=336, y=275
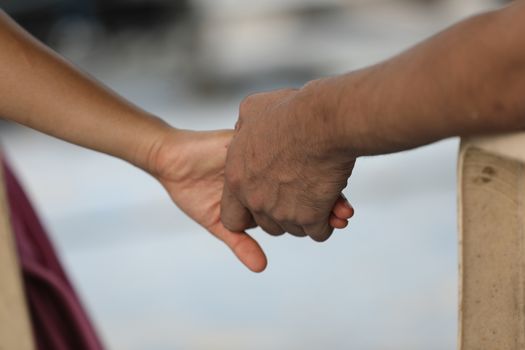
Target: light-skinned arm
x=41, y=90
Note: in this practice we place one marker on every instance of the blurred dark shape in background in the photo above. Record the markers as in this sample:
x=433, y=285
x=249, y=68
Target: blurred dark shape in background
x=216, y=47
x=40, y=16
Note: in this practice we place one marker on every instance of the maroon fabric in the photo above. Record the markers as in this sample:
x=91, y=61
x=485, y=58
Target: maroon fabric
x=58, y=319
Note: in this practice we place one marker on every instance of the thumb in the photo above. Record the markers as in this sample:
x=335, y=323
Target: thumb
x=247, y=250
x=234, y=214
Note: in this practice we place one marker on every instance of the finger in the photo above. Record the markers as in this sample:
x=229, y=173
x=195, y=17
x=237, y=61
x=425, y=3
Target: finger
x=234, y=215
x=342, y=208
x=319, y=232
x=247, y=250
x=292, y=229
x=338, y=223
x=268, y=225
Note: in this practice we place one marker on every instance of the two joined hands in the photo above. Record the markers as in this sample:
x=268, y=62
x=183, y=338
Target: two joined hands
x=284, y=167
x=273, y=171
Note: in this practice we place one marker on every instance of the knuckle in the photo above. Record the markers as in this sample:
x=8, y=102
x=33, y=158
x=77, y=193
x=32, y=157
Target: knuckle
x=320, y=238
x=308, y=218
x=273, y=230
x=233, y=178
x=297, y=233
x=255, y=202
x=321, y=234
x=235, y=223
x=281, y=216
x=230, y=224
x=295, y=230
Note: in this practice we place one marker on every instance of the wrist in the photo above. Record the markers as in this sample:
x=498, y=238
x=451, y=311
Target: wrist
x=151, y=138
x=335, y=105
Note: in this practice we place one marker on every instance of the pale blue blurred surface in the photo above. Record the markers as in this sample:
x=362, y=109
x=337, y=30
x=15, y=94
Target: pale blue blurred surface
x=154, y=280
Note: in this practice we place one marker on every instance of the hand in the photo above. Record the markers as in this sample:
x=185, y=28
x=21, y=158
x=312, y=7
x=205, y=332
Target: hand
x=190, y=166
x=283, y=168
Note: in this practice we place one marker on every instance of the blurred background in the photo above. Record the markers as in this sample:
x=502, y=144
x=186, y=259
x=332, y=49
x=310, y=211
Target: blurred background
x=152, y=279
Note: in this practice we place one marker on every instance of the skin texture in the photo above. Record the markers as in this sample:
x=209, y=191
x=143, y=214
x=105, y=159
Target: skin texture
x=190, y=166
x=295, y=149
x=41, y=90
x=290, y=178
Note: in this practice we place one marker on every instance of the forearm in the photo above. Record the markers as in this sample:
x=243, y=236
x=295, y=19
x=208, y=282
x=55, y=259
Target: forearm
x=41, y=90
x=466, y=80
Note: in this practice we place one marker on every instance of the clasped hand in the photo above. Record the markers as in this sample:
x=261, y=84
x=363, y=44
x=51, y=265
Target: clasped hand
x=276, y=171
x=282, y=173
